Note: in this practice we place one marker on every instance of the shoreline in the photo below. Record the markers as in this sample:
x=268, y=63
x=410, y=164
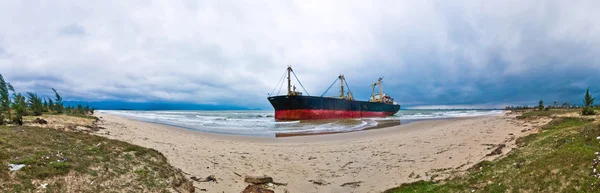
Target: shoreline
x=380, y=124
x=294, y=138
x=304, y=137
x=374, y=160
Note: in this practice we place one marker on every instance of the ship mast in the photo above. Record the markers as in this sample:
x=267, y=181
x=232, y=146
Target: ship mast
x=341, y=77
x=373, y=92
x=373, y=99
x=380, y=90
x=289, y=70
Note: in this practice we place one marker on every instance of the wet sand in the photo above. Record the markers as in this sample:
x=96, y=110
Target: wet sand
x=366, y=161
x=380, y=124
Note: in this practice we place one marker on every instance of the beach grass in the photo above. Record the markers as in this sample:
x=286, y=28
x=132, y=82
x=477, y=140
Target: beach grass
x=534, y=113
x=62, y=161
x=559, y=158
x=83, y=116
x=80, y=115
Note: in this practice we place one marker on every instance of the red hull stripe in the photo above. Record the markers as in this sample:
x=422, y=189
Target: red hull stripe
x=304, y=114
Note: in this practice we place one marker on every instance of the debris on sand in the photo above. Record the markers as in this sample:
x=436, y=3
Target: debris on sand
x=258, y=179
x=210, y=178
x=347, y=164
x=40, y=121
x=352, y=184
x=256, y=189
x=319, y=182
x=15, y=167
x=497, y=151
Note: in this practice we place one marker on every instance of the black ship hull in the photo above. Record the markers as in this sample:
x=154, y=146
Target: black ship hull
x=310, y=107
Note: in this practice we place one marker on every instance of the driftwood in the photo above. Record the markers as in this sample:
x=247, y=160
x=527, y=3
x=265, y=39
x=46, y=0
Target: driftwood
x=258, y=179
x=40, y=121
x=210, y=178
x=256, y=189
x=347, y=164
x=319, y=182
x=497, y=151
x=352, y=184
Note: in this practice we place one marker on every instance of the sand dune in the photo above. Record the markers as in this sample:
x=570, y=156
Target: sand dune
x=366, y=161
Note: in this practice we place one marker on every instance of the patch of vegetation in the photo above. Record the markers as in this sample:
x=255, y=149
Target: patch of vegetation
x=99, y=164
x=418, y=186
x=31, y=104
x=566, y=123
x=83, y=116
x=558, y=159
x=547, y=113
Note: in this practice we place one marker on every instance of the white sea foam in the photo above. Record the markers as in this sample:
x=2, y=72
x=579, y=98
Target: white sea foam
x=262, y=123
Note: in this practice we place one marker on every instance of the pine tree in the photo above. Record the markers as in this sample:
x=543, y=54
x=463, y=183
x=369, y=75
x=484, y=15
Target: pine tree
x=4, y=99
x=11, y=88
x=35, y=104
x=58, y=102
x=45, y=108
x=51, y=106
x=541, y=105
x=588, y=101
x=19, y=106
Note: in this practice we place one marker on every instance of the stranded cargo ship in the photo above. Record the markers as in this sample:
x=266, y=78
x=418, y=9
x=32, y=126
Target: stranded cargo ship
x=296, y=106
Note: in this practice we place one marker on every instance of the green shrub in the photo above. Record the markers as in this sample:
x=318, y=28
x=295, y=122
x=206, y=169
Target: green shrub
x=588, y=111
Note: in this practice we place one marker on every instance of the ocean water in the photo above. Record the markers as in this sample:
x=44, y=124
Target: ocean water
x=262, y=123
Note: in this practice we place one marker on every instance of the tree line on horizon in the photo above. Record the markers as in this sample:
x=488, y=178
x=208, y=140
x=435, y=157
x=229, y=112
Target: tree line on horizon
x=586, y=109
x=14, y=107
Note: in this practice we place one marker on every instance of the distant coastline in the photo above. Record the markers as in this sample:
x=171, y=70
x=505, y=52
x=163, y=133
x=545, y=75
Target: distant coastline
x=155, y=106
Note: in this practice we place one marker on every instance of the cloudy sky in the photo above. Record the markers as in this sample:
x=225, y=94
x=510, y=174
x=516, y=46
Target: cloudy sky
x=442, y=53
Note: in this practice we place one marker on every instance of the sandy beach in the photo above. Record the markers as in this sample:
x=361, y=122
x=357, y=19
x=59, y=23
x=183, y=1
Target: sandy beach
x=366, y=161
